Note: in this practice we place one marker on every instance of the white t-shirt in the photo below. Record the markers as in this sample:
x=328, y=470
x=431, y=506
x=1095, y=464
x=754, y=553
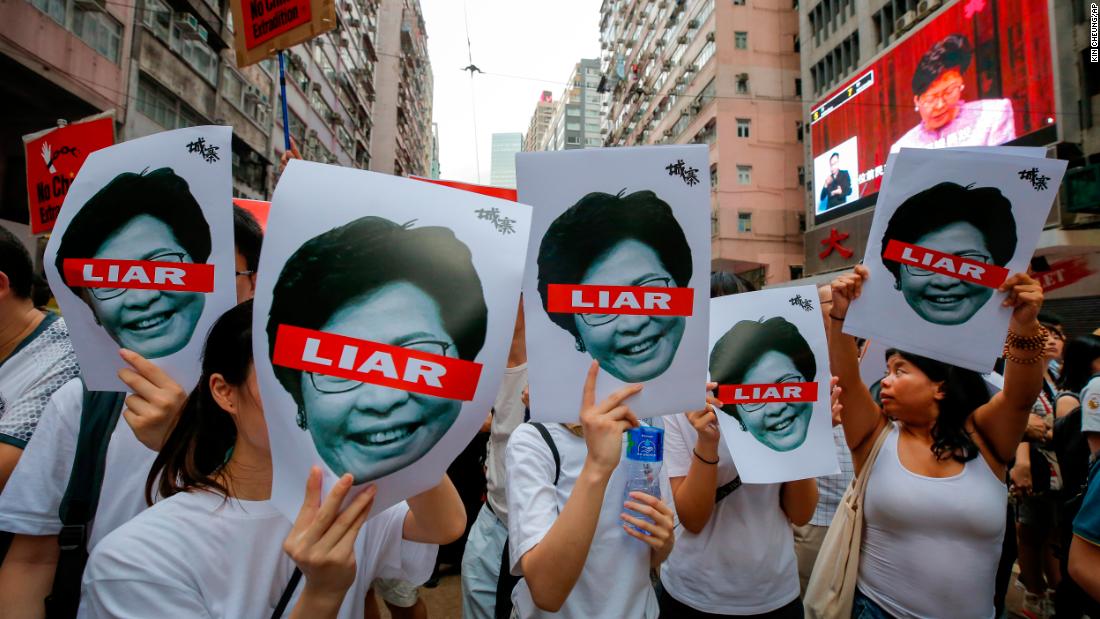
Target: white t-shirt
x=742, y=562
x=507, y=415
x=30, y=502
x=198, y=555
x=1090, y=405
x=615, y=580
x=39, y=366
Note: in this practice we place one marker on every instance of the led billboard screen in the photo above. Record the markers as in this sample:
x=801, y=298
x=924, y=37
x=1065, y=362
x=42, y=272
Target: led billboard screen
x=977, y=74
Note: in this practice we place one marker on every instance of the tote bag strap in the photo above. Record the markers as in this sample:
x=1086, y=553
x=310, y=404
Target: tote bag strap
x=859, y=484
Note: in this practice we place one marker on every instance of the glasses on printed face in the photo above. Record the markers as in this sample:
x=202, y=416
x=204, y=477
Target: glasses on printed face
x=952, y=91
x=916, y=271
x=595, y=320
x=752, y=407
x=324, y=383
x=104, y=294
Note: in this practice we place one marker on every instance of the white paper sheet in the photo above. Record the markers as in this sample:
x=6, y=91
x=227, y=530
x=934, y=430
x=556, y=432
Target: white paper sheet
x=164, y=198
x=397, y=267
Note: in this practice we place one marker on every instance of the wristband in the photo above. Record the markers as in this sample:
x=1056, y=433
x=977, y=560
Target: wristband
x=702, y=459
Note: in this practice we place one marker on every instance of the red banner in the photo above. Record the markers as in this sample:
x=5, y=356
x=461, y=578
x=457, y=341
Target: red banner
x=494, y=192
x=139, y=274
x=765, y=393
x=637, y=300
x=266, y=19
x=1063, y=273
x=989, y=275
x=53, y=159
x=375, y=363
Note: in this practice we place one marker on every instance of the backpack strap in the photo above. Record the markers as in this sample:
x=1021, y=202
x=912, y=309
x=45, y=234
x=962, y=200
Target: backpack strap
x=553, y=448
x=284, y=599
x=98, y=417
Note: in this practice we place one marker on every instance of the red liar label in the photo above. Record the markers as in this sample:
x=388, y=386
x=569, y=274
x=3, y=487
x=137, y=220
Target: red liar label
x=143, y=274
x=989, y=275
x=644, y=300
x=375, y=363
x=777, y=392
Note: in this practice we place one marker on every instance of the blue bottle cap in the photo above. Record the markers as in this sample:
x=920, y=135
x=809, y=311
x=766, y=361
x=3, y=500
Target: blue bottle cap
x=645, y=444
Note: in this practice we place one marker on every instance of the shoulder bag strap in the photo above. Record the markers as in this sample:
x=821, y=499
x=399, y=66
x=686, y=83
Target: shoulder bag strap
x=291, y=585
x=553, y=448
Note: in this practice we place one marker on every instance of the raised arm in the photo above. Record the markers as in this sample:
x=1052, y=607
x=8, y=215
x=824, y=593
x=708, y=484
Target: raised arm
x=798, y=499
x=1001, y=421
x=553, y=566
x=436, y=516
x=693, y=494
x=859, y=414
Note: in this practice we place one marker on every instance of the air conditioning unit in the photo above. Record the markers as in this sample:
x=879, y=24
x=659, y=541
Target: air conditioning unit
x=251, y=93
x=927, y=6
x=668, y=132
x=691, y=68
x=695, y=107
x=346, y=7
x=683, y=39
x=693, y=23
x=315, y=87
x=335, y=118
x=189, y=26
x=311, y=135
x=710, y=36
x=742, y=77
x=906, y=21
x=666, y=65
x=354, y=22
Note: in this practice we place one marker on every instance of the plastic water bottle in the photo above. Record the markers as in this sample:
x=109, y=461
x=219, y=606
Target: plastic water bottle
x=644, y=454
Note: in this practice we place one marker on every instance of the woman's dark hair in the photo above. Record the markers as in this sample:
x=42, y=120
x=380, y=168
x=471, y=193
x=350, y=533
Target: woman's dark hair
x=204, y=432
x=336, y=267
x=248, y=237
x=15, y=262
x=964, y=391
x=944, y=204
x=1077, y=359
x=742, y=346
x=952, y=52
x=723, y=283
x=599, y=222
x=161, y=194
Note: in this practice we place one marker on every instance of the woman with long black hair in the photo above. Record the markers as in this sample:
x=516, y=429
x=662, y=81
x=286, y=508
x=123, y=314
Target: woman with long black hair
x=211, y=546
x=935, y=502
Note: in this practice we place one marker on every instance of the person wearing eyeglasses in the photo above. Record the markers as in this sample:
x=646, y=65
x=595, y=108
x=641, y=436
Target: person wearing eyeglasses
x=946, y=118
x=618, y=240
x=974, y=223
x=768, y=352
x=375, y=280
x=151, y=216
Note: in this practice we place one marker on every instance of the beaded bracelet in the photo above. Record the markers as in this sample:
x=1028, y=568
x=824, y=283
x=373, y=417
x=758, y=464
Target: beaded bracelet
x=1008, y=356
x=1033, y=342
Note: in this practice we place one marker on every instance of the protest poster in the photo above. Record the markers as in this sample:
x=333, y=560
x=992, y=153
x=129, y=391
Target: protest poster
x=264, y=27
x=950, y=226
x=142, y=253
x=383, y=316
x=618, y=272
x=259, y=209
x=769, y=356
x=54, y=156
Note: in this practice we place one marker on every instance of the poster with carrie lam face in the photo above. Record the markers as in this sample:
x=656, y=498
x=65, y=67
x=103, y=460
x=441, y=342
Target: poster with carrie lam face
x=950, y=226
x=383, y=316
x=141, y=256
x=618, y=272
x=770, y=359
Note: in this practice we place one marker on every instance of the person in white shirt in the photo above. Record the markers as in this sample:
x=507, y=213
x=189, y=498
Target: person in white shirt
x=214, y=547
x=488, y=539
x=36, y=356
x=734, y=554
x=570, y=541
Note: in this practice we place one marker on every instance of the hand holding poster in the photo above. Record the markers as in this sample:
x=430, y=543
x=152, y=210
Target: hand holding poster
x=617, y=272
x=266, y=26
x=382, y=325
x=769, y=357
x=54, y=156
x=142, y=254
x=949, y=228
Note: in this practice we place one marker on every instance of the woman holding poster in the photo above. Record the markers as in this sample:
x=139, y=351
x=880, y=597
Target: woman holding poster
x=216, y=547
x=934, y=505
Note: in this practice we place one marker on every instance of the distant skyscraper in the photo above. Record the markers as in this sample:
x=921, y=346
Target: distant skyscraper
x=435, y=151
x=540, y=122
x=503, y=170
x=576, y=121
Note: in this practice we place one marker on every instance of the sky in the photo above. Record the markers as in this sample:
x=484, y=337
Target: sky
x=523, y=46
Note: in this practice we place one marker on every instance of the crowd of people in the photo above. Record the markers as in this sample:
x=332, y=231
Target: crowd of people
x=156, y=502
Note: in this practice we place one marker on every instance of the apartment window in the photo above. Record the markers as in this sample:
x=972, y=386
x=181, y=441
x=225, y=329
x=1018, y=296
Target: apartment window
x=713, y=176
x=704, y=55
x=572, y=140
x=572, y=126
x=743, y=125
x=593, y=142
x=99, y=30
x=57, y=9
x=741, y=40
x=163, y=107
x=572, y=111
x=738, y=2
x=743, y=84
x=744, y=221
x=744, y=174
x=797, y=87
x=158, y=18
